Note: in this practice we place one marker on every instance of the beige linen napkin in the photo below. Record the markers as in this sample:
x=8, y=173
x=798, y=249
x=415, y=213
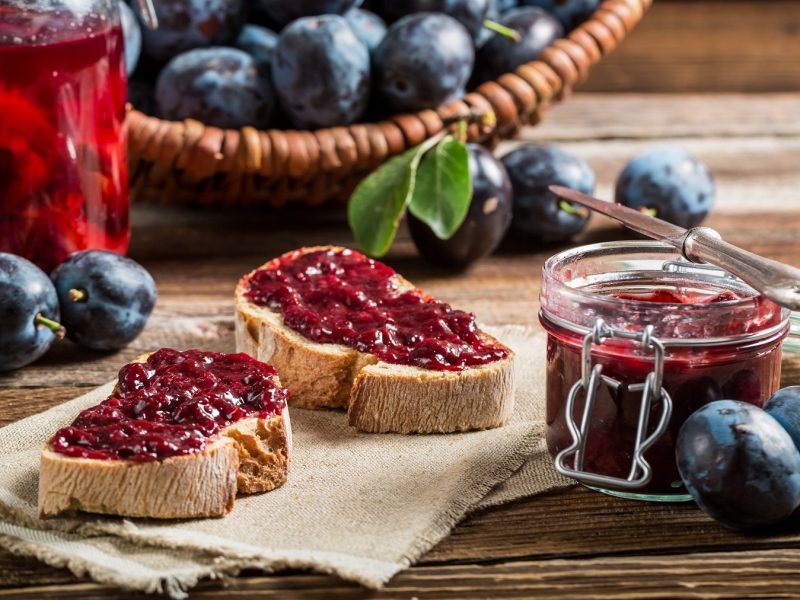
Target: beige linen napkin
x=363, y=506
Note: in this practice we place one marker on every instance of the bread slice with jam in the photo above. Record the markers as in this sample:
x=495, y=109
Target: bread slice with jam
x=346, y=331
x=179, y=437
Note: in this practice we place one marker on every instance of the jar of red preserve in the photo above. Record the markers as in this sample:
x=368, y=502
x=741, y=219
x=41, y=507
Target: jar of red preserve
x=638, y=339
x=63, y=164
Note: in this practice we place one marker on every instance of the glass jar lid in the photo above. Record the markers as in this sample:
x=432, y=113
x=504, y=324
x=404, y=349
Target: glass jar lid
x=632, y=284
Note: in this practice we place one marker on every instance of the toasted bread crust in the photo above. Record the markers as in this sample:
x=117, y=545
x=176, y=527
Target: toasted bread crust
x=249, y=456
x=380, y=397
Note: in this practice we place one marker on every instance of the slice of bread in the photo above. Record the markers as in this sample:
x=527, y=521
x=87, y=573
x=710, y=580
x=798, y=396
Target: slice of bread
x=249, y=456
x=379, y=396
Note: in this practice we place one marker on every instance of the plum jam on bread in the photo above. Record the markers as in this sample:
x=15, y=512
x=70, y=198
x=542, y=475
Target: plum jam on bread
x=344, y=330
x=179, y=436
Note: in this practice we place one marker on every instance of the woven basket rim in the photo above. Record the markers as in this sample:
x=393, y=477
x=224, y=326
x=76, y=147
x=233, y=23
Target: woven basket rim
x=158, y=148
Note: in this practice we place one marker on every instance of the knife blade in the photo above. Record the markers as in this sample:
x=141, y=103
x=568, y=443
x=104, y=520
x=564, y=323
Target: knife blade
x=640, y=222
x=775, y=280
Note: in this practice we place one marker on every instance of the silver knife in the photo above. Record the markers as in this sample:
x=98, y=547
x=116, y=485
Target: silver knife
x=775, y=280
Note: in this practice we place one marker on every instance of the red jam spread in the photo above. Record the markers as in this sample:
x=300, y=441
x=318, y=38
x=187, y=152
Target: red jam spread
x=674, y=297
x=343, y=297
x=693, y=376
x=171, y=404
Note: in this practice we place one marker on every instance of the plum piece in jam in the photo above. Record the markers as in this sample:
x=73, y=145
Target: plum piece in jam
x=170, y=404
x=722, y=340
x=343, y=297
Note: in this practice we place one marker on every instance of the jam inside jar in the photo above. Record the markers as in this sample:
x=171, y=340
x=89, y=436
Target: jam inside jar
x=720, y=339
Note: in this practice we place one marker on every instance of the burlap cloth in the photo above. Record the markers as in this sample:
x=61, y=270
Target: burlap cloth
x=361, y=506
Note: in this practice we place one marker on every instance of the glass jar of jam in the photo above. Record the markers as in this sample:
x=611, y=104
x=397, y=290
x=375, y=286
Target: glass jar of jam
x=63, y=163
x=638, y=339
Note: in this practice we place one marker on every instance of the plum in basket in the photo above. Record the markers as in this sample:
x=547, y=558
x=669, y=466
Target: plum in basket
x=222, y=87
x=424, y=61
x=321, y=72
x=368, y=26
x=571, y=13
x=284, y=12
x=537, y=29
x=470, y=13
x=187, y=24
x=260, y=43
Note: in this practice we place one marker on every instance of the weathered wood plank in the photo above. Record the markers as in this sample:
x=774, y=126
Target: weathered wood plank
x=707, y=45
x=590, y=116
x=761, y=574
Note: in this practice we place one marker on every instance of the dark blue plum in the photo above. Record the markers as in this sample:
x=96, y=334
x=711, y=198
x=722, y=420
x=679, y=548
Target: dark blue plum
x=784, y=407
x=222, y=87
x=424, y=61
x=669, y=182
x=285, y=11
x=132, y=32
x=105, y=298
x=368, y=26
x=537, y=212
x=571, y=13
x=487, y=220
x=739, y=465
x=502, y=6
x=187, y=24
x=537, y=29
x=260, y=43
x=470, y=13
x=28, y=312
x=321, y=72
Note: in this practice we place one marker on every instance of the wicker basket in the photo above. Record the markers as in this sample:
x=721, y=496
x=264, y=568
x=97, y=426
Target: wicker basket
x=185, y=162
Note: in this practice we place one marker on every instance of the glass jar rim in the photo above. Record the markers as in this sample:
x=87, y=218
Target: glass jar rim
x=750, y=316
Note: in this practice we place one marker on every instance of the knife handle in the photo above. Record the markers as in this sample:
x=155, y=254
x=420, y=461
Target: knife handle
x=775, y=280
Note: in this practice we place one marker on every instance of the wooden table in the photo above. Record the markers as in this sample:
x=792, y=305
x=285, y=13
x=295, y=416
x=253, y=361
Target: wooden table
x=563, y=545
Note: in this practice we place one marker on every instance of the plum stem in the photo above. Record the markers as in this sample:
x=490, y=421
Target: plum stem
x=77, y=295
x=508, y=33
x=54, y=326
x=572, y=209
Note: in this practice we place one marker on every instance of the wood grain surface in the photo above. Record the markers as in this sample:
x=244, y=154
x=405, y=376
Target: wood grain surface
x=562, y=545
x=707, y=46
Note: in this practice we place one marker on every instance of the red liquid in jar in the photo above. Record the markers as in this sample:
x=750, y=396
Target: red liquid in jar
x=692, y=376
x=343, y=297
x=171, y=404
x=63, y=162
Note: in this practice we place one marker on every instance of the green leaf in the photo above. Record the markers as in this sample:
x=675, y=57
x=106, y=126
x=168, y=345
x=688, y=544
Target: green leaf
x=379, y=202
x=443, y=188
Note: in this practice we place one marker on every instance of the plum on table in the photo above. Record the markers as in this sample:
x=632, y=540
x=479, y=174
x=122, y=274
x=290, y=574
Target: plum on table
x=669, y=183
x=739, y=465
x=424, y=61
x=222, y=87
x=29, y=312
x=784, y=407
x=537, y=30
x=187, y=24
x=486, y=223
x=538, y=213
x=321, y=72
x=105, y=298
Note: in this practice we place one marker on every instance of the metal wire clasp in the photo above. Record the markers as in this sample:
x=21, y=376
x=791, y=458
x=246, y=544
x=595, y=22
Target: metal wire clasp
x=591, y=378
